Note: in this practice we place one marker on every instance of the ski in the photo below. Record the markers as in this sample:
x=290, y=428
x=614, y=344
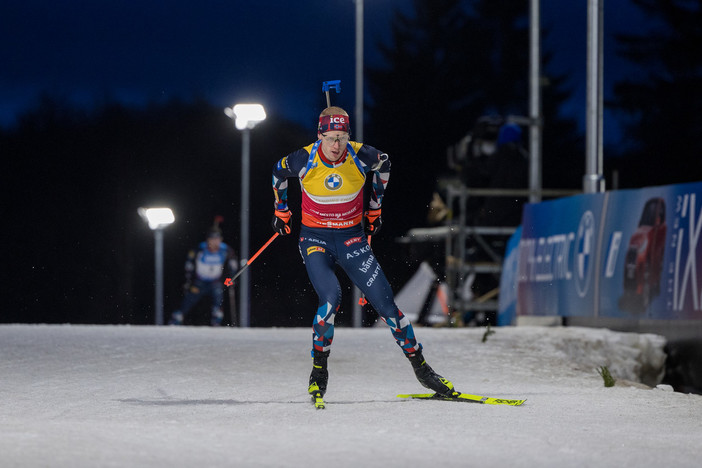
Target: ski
x=316, y=395
x=458, y=396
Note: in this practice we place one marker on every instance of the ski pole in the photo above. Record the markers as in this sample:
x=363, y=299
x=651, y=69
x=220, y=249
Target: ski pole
x=230, y=281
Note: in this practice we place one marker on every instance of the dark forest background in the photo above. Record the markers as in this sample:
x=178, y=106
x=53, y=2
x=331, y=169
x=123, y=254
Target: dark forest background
x=76, y=251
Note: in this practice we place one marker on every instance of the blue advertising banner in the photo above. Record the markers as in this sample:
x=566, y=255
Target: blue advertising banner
x=653, y=269
x=625, y=254
x=507, y=300
x=558, y=256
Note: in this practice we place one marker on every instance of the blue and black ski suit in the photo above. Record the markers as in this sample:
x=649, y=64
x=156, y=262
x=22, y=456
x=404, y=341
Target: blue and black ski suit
x=332, y=233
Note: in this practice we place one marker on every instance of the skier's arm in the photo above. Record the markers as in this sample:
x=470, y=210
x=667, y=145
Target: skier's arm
x=291, y=165
x=189, y=269
x=377, y=162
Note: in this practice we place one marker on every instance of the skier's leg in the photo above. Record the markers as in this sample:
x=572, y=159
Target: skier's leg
x=217, y=295
x=363, y=269
x=366, y=273
x=192, y=296
x=319, y=262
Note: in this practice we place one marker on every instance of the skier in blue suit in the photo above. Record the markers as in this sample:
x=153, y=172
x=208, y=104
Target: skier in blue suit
x=204, y=268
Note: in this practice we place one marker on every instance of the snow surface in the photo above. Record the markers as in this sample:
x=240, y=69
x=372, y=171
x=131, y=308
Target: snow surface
x=144, y=396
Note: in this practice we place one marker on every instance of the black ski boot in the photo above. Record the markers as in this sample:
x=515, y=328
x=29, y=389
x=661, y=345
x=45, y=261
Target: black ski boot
x=320, y=374
x=427, y=377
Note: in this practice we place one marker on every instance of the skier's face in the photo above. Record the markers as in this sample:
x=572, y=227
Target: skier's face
x=213, y=243
x=333, y=144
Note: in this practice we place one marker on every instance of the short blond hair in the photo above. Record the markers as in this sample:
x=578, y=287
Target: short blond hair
x=334, y=110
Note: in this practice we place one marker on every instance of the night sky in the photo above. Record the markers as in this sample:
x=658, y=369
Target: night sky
x=276, y=52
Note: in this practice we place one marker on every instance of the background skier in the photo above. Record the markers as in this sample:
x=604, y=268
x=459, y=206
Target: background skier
x=204, y=269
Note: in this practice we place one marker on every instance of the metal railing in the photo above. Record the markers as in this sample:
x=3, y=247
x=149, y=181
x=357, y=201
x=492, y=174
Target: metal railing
x=458, y=235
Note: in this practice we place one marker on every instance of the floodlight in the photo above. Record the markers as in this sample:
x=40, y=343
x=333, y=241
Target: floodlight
x=158, y=218
x=246, y=116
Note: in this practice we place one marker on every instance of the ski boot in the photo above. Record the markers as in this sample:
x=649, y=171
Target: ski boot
x=217, y=317
x=427, y=377
x=320, y=374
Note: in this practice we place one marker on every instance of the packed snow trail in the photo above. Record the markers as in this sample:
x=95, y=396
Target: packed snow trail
x=141, y=396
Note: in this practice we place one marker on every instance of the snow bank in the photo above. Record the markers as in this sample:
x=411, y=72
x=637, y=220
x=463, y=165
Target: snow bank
x=629, y=356
x=104, y=396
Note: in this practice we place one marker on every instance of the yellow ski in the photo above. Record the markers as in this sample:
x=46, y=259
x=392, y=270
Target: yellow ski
x=458, y=396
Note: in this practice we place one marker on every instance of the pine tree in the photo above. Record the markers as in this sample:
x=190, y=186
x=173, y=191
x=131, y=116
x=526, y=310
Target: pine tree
x=420, y=102
x=661, y=103
x=448, y=64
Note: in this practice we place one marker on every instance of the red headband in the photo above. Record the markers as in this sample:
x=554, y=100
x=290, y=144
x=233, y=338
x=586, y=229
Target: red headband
x=331, y=123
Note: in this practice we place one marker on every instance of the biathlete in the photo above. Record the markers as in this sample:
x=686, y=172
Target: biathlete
x=332, y=173
x=204, y=268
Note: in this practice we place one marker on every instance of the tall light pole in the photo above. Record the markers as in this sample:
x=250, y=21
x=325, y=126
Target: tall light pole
x=593, y=180
x=158, y=219
x=359, y=70
x=246, y=117
x=357, y=311
x=535, y=120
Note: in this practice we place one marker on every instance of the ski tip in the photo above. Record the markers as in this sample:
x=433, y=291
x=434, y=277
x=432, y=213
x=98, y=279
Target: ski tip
x=508, y=402
x=458, y=396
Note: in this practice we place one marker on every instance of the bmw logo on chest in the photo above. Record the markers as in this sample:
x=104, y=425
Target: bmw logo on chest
x=333, y=182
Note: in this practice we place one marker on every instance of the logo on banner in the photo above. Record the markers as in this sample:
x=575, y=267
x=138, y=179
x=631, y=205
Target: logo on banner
x=584, y=253
x=686, y=242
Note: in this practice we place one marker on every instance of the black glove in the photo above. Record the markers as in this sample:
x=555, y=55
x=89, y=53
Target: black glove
x=373, y=222
x=281, y=222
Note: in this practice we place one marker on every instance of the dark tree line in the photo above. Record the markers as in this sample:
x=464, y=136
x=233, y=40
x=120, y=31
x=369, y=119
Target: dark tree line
x=449, y=64
x=76, y=250
x=660, y=104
